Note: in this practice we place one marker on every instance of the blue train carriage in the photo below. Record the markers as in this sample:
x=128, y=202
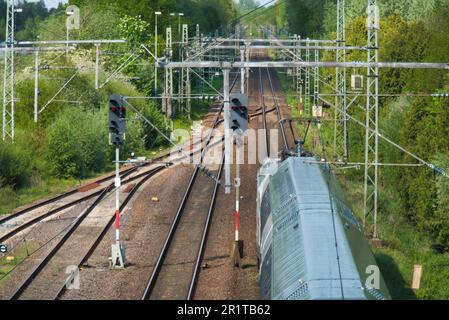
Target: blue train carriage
x=310, y=245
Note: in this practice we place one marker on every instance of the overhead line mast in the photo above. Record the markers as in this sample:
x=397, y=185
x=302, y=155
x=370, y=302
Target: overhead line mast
x=340, y=127
x=372, y=117
x=8, y=80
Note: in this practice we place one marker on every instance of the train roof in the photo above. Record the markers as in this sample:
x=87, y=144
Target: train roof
x=317, y=262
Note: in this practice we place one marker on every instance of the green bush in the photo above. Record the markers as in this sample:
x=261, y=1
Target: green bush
x=434, y=282
x=77, y=143
x=15, y=165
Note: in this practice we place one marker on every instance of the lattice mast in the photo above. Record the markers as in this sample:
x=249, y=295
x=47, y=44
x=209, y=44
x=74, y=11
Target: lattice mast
x=185, y=73
x=316, y=78
x=168, y=90
x=340, y=123
x=8, y=80
x=307, y=82
x=372, y=116
x=298, y=70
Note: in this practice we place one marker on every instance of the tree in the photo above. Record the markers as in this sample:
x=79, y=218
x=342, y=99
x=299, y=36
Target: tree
x=305, y=17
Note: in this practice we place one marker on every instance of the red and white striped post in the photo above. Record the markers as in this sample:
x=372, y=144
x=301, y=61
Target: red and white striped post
x=117, y=195
x=237, y=244
x=118, y=254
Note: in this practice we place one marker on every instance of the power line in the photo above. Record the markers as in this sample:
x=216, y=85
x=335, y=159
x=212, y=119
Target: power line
x=252, y=11
x=282, y=2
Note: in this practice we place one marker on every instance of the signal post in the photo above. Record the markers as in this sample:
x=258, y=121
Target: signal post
x=239, y=125
x=117, y=127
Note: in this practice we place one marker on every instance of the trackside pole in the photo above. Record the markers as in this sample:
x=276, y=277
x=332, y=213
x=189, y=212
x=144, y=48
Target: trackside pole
x=118, y=250
x=238, y=244
x=117, y=195
x=227, y=130
x=242, y=73
x=36, y=87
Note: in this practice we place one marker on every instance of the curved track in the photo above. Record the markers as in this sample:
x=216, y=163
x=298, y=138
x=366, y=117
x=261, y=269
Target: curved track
x=71, y=230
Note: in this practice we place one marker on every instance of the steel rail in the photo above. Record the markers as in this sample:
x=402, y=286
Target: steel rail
x=106, y=228
x=29, y=279
x=75, y=202
x=202, y=248
x=152, y=282
x=54, y=199
x=25, y=284
x=264, y=115
x=153, y=279
x=36, y=271
x=64, y=207
x=278, y=111
x=145, y=175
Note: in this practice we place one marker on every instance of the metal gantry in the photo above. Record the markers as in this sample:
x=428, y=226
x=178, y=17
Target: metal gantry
x=298, y=71
x=168, y=89
x=316, y=79
x=372, y=117
x=340, y=123
x=185, y=91
x=307, y=82
x=8, y=79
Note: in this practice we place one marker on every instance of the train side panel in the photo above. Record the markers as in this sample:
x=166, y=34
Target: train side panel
x=310, y=243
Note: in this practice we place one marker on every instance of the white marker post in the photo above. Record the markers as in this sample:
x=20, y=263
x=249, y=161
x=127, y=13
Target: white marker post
x=118, y=250
x=227, y=129
x=242, y=72
x=238, y=245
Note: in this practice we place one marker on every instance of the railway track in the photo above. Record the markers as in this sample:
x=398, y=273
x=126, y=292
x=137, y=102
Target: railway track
x=52, y=200
x=278, y=110
x=35, y=220
x=177, y=268
x=47, y=260
x=70, y=240
x=264, y=74
x=42, y=277
x=264, y=113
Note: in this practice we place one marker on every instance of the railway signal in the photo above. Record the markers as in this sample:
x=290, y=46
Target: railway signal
x=239, y=112
x=117, y=120
x=117, y=127
x=239, y=125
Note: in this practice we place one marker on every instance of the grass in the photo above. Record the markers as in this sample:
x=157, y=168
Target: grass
x=20, y=253
x=11, y=199
x=199, y=107
x=402, y=245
